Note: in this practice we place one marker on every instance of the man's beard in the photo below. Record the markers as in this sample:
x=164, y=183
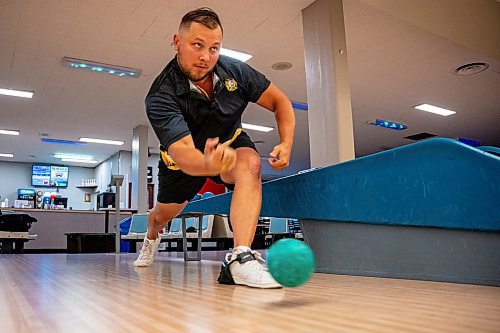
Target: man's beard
x=197, y=78
x=193, y=78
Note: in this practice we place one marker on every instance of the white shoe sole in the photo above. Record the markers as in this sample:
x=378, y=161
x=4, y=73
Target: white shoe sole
x=257, y=285
x=141, y=264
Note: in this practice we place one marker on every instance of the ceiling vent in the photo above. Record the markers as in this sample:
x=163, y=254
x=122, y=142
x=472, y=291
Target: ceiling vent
x=282, y=66
x=471, y=69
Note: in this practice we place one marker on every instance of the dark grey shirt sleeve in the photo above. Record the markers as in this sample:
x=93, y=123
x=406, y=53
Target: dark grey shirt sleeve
x=166, y=118
x=253, y=82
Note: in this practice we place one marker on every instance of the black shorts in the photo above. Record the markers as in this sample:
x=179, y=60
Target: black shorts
x=177, y=187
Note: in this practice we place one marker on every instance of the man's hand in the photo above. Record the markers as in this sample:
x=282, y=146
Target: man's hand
x=218, y=158
x=279, y=158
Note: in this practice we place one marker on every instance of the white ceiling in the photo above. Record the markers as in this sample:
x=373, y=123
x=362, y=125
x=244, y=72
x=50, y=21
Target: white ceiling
x=393, y=65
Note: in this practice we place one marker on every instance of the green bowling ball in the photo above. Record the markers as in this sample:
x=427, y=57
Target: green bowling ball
x=291, y=262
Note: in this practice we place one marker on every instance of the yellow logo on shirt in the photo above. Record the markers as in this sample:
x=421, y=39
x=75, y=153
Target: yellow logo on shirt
x=231, y=84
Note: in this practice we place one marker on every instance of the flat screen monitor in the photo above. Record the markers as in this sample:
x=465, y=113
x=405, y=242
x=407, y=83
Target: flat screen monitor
x=25, y=194
x=59, y=176
x=61, y=201
x=49, y=175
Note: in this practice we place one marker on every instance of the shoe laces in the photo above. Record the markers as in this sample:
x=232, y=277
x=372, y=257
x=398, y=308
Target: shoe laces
x=256, y=265
x=259, y=258
x=146, y=250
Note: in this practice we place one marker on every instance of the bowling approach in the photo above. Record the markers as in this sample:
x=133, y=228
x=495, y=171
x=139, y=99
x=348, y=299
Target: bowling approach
x=426, y=211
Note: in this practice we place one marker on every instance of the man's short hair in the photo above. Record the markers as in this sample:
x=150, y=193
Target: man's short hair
x=203, y=15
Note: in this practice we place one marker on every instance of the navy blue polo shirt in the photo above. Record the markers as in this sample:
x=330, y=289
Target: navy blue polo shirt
x=175, y=109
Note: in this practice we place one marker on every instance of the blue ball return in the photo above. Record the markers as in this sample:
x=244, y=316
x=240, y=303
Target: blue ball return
x=427, y=211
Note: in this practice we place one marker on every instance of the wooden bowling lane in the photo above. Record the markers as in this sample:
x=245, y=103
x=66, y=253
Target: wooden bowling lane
x=105, y=293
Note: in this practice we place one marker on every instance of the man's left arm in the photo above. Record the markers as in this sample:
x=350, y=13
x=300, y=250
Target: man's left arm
x=276, y=101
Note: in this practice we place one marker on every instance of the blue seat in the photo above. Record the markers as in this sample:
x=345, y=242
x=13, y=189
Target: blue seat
x=139, y=224
x=278, y=225
x=175, y=226
x=193, y=222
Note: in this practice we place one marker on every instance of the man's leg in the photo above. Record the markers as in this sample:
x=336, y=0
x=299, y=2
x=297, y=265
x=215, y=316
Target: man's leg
x=158, y=218
x=244, y=266
x=247, y=195
x=161, y=215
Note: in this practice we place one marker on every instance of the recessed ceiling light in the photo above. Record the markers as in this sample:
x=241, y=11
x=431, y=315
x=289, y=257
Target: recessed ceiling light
x=103, y=141
x=434, y=109
x=257, y=127
x=235, y=54
x=16, y=93
x=8, y=132
x=6, y=155
x=101, y=68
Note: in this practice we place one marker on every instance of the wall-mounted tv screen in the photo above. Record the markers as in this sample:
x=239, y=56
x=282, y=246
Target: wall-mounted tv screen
x=49, y=175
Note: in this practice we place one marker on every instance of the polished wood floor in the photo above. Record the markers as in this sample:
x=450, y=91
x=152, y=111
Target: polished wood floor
x=105, y=293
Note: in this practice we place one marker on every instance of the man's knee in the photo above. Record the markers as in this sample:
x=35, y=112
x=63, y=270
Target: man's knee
x=247, y=167
x=250, y=162
x=253, y=166
x=164, y=213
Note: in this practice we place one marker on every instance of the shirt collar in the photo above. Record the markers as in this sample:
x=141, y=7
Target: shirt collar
x=193, y=87
x=184, y=85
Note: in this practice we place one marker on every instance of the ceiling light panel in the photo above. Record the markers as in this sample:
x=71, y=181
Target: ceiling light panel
x=63, y=142
x=434, y=109
x=16, y=93
x=8, y=132
x=388, y=124
x=235, y=54
x=102, y=141
x=73, y=156
x=101, y=68
x=76, y=160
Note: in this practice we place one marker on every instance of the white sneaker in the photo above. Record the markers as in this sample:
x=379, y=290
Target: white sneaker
x=246, y=269
x=148, y=251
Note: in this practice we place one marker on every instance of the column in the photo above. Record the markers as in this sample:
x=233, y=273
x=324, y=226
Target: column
x=331, y=136
x=140, y=169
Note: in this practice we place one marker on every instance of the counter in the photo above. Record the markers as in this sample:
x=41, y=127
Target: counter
x=53, y=225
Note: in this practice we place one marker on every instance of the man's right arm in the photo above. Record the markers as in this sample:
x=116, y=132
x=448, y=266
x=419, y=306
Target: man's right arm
x=215, y=160
x=168, y=123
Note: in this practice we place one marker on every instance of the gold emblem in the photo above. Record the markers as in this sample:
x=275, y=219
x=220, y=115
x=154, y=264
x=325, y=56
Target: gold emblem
x=231, y=84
